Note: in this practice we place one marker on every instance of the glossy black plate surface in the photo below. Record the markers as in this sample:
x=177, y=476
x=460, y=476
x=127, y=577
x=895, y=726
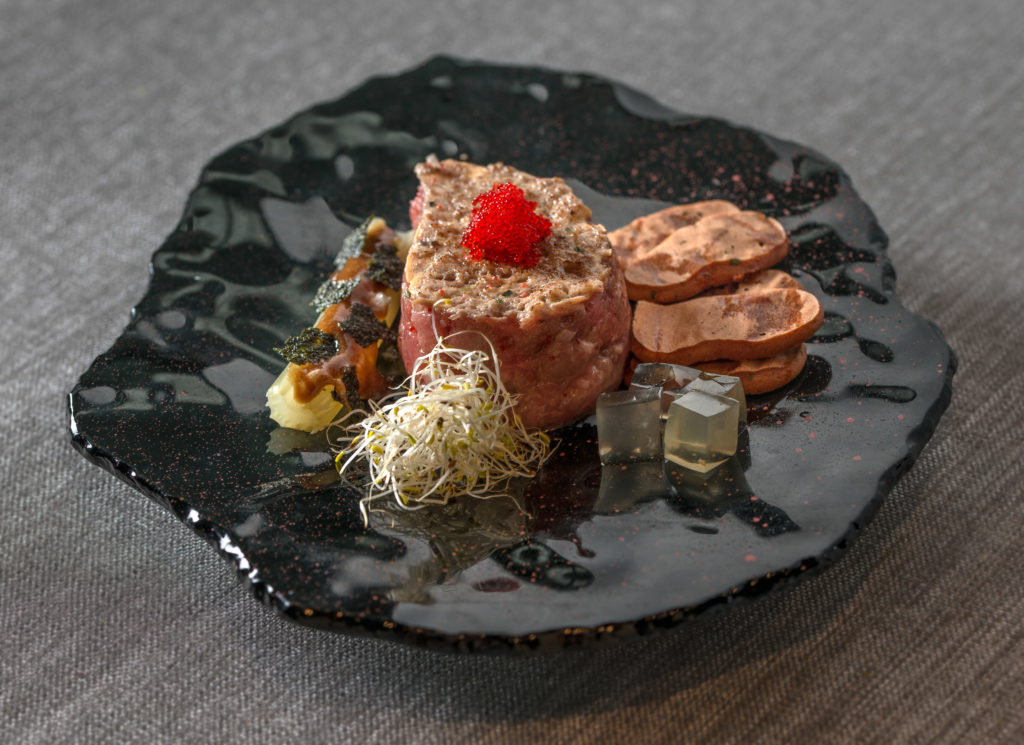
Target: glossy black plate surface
x=176, y=405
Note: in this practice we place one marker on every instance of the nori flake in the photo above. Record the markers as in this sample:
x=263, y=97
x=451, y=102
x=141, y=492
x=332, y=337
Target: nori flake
x=350, y=380
x=362, y=325
x=333, y=291
x=354, y=243
x=309, y=345
x=385, y=267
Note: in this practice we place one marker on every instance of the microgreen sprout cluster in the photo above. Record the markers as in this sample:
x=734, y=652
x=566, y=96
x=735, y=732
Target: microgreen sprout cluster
x=453, y=433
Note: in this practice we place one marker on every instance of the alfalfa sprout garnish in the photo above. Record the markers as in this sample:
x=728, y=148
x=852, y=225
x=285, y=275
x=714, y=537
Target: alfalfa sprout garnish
x=453, y=433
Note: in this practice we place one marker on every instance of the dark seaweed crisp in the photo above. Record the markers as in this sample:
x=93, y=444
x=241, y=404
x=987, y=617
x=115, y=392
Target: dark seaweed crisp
x=333, y=291
x=309, y=345
x=362, y=325
x=385, y=267
x=350, y=380
x=354, y=243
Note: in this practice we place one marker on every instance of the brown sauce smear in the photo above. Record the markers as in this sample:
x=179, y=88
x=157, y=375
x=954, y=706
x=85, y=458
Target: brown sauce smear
x=309, y=379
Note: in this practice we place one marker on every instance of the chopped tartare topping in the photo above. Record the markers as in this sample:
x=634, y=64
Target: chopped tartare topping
x=505, y=227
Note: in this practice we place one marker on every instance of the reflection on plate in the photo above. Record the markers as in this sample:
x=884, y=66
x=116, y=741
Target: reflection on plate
x=176, y=406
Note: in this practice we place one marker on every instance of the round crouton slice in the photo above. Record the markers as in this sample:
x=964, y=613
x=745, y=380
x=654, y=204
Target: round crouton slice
x=734, y=327
x=715, y=250
x=763, y=375
x=646, y=232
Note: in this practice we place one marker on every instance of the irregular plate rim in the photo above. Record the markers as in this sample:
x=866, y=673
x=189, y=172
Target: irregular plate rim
x=545, y=640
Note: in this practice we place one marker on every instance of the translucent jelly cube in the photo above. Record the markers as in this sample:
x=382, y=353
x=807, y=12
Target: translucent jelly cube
x=732, y=386
x=701, y=431
x=629, y=425
x=664, y=374
x=670, y=378
x=721, y=385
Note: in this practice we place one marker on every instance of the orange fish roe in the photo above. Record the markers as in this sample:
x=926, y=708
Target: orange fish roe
x=505, y=228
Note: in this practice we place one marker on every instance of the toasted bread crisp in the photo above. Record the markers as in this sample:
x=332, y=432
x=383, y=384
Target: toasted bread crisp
x=763, y=375
x=646, y=232
x=733, y=327
x=715, y=250
x=769, y=279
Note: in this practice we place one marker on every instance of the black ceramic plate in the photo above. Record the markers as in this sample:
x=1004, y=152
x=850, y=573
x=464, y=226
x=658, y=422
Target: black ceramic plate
x=176, y=406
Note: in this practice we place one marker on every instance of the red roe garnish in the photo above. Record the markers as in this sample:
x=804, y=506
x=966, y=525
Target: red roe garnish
x=505, y=228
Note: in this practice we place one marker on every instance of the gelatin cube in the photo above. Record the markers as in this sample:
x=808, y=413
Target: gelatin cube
x=663, y=374
x=722, y=385
x=733, y=388
x=701, y=432
x=670, y=378
x=625, y=484
x=629, y=425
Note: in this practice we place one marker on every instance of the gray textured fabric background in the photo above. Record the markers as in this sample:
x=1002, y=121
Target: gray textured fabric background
x=119, y=625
